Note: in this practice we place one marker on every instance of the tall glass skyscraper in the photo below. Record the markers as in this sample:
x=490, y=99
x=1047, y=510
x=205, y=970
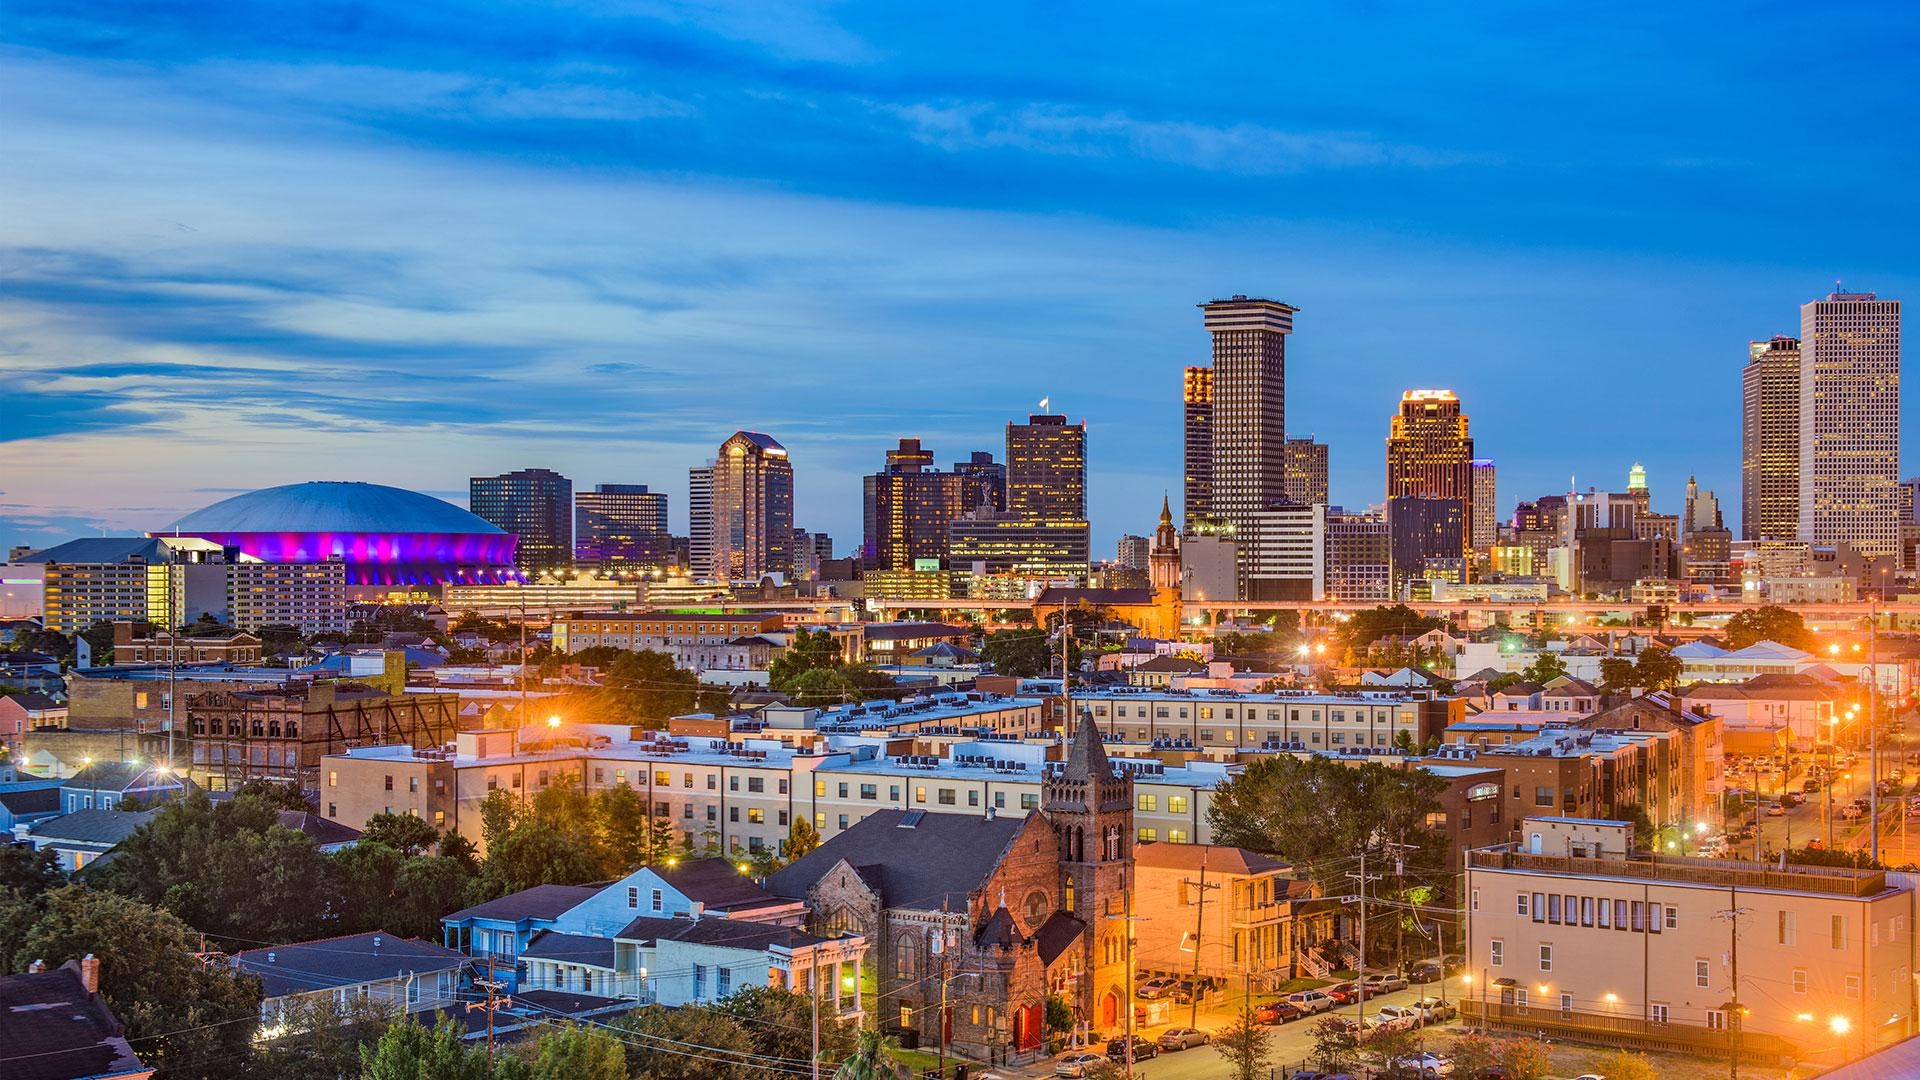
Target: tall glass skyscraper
x=620, y=525
x=534, y=504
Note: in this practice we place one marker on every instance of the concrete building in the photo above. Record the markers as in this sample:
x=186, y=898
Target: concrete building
x=534, y=504
x=621, y=526
x=1359, y=559
x=694, y=640
x=1427, y=536
x=1573, y=934
x=1132, y=551
x=1430, y=453
x=908, y=507
x=103, y=579
x=749, y=526
x=1197, y=483
x=1850, y=422
x=1306, y=477
x=1282, y=552
x=1481, y=524
x=1210, y=564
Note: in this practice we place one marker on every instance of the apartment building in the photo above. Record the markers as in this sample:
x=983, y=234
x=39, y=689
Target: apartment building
x=1249, y=918
x=1230, y=721
x=162, y=646
x=1571, y=772
x=695, y=640
x=1571, y=934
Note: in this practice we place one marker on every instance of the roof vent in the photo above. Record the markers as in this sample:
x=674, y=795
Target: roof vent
x=272, y=956
x=376, y=941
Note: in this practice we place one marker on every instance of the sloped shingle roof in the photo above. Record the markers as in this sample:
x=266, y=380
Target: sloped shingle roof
x=939, y=858
x=343, y=961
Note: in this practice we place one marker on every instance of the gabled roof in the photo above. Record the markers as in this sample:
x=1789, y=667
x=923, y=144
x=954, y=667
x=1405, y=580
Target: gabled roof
x=323, y=831
x=901, y=631
x=1217, y=857
x=119, y=776
x=51, y=1028
x=27, y=799
x=1055, y=935
x=1698, y=650
x=107, y=827
x=718, y=933
x=570, y=948
x=1523, y=688
x=914, y=859
x=1568, y=686
x=1179, y=665
x=343, y=961
x=33, y=702
x=1771, y=650
x=539, y=902
x=717, y=884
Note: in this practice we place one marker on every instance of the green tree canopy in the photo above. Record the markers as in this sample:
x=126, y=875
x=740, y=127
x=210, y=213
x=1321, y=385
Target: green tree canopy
x=1768, y=623
x=1023, y=654
x=652, y=1035
x=1545, y=668
x=1617, y=674
x=408, y=834
x=1657, y=669
x=1367, y=627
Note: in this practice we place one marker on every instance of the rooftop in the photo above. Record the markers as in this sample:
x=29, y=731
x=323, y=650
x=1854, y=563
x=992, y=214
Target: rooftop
x=343, y=961
x=51, y=1028
x=100, y=549
x=331, y=506
x=1707, y=873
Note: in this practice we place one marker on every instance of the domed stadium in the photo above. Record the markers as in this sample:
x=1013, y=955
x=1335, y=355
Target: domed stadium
x=385, y=535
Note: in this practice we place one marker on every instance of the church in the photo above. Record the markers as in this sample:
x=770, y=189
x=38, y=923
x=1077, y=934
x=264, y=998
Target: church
x=998, y=913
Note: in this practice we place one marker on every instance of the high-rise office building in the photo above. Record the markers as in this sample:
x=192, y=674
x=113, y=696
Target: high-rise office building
x=1429, y=450
x=1770, y=440
x=1850, y=422
x=620, y=525
x=1359, y=558
x=1133, y=551
x=907, y=507
x=1249, y=410
x=1427, y=536
x=750, y=522
x=534, y=504
x=1047, y=469
x=1306, y=477
x=1197, y=485
x=991, y=474
x=1282, y=553
x=700, y=522
x=1483, y=527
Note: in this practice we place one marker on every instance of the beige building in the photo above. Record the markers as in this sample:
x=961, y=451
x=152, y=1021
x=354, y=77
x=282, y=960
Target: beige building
x=1850, y=423
x=694, y=640
x=1231, y=721
x=1225, y=913
x=1570, y=935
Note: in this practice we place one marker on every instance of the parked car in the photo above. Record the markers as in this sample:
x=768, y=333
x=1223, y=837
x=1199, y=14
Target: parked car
x=1141, y=1049
x=1398, y=1018
x=1852, y=813
x=1310, y=1001
x=1385, y=983
x=1816, y=844
x=1436, y=1009
x=1345, y=993
x=1453, y=961
x=1182, y=1038
x=1155, y=988
x=1425, y=971
x=1427, y=1066
x=1775, y=810
x=1075, y=1065
x=1275, y=1012
x=1810, y=786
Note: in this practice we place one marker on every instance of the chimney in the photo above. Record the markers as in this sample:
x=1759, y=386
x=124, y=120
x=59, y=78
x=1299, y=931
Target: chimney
x=696, y=909
x=90, y=973
x=36, y=967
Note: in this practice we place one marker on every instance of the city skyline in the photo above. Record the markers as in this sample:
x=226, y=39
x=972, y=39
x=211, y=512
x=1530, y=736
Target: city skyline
x=476, y=262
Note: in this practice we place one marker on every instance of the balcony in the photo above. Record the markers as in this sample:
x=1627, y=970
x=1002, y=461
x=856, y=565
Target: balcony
x=1717, y=873
x=1612, y=1029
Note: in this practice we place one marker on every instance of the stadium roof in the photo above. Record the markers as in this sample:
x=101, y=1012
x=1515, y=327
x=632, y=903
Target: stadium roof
x=331, y=506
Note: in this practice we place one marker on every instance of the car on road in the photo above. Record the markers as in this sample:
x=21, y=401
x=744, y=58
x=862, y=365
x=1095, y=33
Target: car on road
x=1398, y=1018
x=1427, y=1066
x=1385, y=983
x=1816, y=844
x=1275, y=1012
x=1181, y=1038
x=1453, y=961
x=1345, y=993
x=1852, y=813
x=1776, y=810
x=1810, y=786
x=1155, y=988
x=1436, y=1009
x=1425, y=971
x=1310, y=1001
x=1140, y=1049
x=1075, y=1065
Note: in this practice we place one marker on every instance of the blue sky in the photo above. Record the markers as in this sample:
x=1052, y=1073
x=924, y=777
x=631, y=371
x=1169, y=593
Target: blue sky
x=246, y=244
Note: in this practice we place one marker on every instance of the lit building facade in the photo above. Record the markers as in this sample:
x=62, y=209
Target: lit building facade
x=534, y=504
x=1359, y=560
x=1482, y=529
x=1047, y=470
x=1429, y=451
x=1249, y=403
x=1197, y=484
x=620, y=525
x=750, y=522
x=1850, y=423
x=1427, y=537
x=908, y=507
x=1306, y=478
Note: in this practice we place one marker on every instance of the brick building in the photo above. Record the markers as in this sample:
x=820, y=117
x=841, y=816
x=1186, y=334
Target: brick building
x=281, y=733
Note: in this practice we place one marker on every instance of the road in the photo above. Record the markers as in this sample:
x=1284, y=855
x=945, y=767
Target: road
x=1899, y=832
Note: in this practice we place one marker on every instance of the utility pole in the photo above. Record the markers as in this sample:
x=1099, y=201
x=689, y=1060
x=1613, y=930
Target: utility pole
x=1199, y=924
x=1873, y=728
x=1732, y=914
x=813, y=976
x=1066, y=675
x=941, y=940
x=1360, y=968
x=494, y=1003
x=1125, y=918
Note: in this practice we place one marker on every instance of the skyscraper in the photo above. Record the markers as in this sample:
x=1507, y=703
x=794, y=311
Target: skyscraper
x=907, y=507
x=700, y=522
x=1249, y=410
x=1429, y=450
x=1770, y=440
x=1197, y=488
x=1850, y=422
x=1427, y=537
x=750, y=524
x=620, y=525
x=534, y=504
x=1047, y=469
x=1306, y=477
x=1483, y=527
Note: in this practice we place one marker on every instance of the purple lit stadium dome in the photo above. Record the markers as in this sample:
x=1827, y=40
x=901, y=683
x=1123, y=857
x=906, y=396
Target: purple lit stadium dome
x=385, y=535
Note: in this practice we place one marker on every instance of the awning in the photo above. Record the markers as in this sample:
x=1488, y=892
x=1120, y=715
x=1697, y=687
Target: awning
x=1506, y=982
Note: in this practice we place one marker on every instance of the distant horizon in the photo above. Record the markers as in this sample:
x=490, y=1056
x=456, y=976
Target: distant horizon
x=241, y=248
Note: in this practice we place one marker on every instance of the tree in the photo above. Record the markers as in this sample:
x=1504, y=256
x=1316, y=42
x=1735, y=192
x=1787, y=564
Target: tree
x=186, y=1021
x=578, y=1052
x=1545, y=668
x=648, y=687
x=1312, y=809
x=408, y=834
x=1473, y=1053
x=1246, y=1046
x=652, y=1035
x=318, y=1038
x=461, y=850
x=779, y=1023
x=1617, y=674
x=1657, y=669
x=1367, y=627
x=500, y=811
x=1769, y=623
x=1335, y=1046
x=536, y=853
x=870, y=1060
x=30, y=873
x=629, y=835
x=810, y=650
x=1389, y=1044
x=820, y=688
x=802, y=838
x=1022, y=654
x=1525, y=1059
x=1060, y=1018
x=408, y=1051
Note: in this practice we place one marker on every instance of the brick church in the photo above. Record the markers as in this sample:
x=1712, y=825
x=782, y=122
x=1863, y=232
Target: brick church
x=1002, y=913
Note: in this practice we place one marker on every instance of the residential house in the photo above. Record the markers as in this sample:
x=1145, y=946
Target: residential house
x=54, y=1025
x=1160, y=671
x=21, y=713
x=1227, y=913
x=1568, y=696
x=81, y=837
x=405, y=974
x=103, y=785
x=23, y=802
x=328, y=836
x=1804, y=704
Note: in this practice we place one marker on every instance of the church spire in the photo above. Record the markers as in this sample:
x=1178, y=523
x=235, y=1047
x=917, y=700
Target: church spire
x=1087, y=758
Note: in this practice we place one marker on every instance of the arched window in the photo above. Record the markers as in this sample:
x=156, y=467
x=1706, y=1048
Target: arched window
x=1036, y=907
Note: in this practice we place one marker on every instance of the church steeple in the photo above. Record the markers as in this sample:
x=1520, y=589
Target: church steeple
x=1163, y=560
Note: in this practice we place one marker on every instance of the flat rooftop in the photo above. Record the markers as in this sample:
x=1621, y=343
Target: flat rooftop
x=1705, y=873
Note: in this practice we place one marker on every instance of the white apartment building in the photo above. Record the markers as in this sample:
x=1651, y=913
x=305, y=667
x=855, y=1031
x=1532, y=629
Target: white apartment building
x=1850, y=422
